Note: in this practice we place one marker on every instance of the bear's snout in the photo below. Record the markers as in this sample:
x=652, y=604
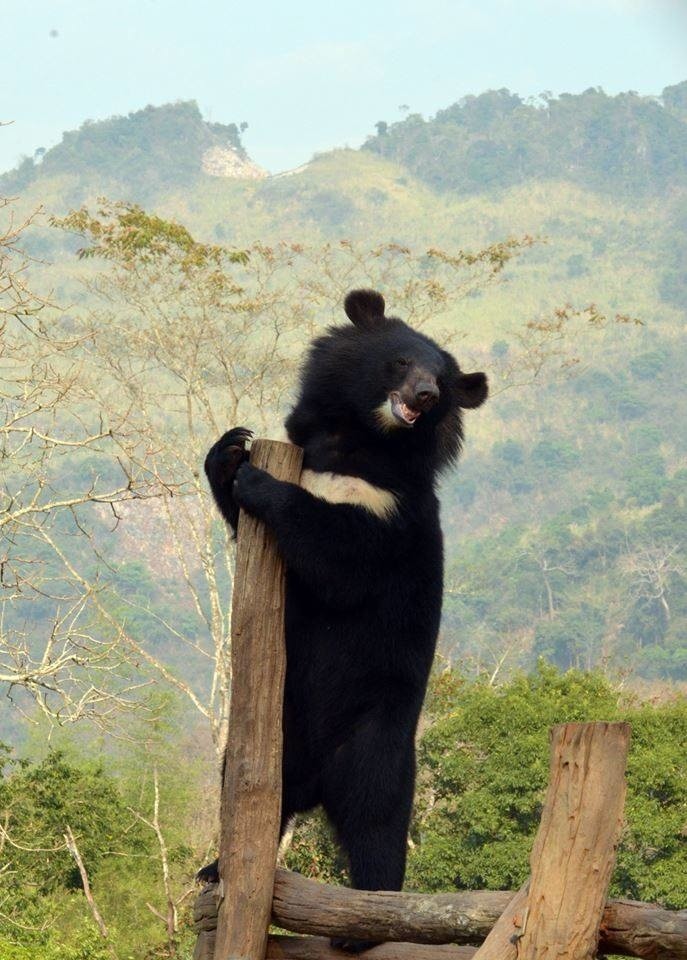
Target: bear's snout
x=426, y=395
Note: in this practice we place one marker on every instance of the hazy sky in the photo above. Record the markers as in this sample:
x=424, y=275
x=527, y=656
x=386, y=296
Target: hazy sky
x=313, y=74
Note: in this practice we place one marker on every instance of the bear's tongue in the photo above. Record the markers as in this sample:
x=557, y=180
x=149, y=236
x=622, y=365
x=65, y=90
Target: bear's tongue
x=402, y=411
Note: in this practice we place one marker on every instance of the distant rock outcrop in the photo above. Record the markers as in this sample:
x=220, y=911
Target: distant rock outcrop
x=291, y=173
x=142, y=156
x=225, y=162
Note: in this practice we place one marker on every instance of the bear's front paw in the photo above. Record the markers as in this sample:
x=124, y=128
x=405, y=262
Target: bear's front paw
x=226, y=456
x=252, y=489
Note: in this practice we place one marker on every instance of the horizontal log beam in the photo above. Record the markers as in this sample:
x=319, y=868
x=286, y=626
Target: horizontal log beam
x=628, y=928
x=319, y=948
x=321, y=909
x=639, y=929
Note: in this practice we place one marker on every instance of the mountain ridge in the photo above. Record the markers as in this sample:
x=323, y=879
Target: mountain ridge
x=483, y=142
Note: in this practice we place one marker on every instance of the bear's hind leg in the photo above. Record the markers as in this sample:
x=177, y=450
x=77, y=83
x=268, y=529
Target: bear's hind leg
x=377, y=858
x=368, y=796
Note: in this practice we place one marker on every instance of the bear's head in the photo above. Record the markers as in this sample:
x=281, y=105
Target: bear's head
x=380, y=375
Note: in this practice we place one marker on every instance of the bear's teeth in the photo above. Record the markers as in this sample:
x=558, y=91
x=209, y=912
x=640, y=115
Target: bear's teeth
x=408, y=414
x=400, y=412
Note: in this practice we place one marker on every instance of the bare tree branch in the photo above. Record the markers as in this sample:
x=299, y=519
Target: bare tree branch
x=74, y=850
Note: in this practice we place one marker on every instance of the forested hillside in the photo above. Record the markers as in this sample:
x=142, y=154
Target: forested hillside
x=627, y=143
x=564, y=535
x=155, y=299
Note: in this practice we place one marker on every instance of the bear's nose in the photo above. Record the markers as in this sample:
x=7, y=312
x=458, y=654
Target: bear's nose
x=426, y=395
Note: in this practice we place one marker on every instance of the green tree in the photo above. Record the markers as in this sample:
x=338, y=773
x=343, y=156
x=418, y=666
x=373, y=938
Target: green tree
x=484, y=768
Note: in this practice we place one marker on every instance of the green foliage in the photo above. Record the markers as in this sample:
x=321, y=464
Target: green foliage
x=571, y=514
x=652, y=860
x=110, y=811
x=649, y=365
x=553, y=455
x=313, y=850
x=576, y=265
x=43, y=799
x=129, y=236
x=86, y=944
x=646, y=479
x=496, y=139
x=673, y=280
x=600, y=584
x=572, y=639
x=484, y=769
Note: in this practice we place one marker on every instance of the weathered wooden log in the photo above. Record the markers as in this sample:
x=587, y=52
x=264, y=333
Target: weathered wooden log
x=638, y=929
x=628, y=928
x=501, y=941
x=306, y=906
x=319, y=948
x=251, y=792
x=574, y=850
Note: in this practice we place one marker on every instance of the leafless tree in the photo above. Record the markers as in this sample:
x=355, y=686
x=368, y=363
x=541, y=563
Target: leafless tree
x=47, y=434
x=651, y=569
x=70, y=842
x=185, y=339
x=547, y=565
x=179, y=340
x=173, y=898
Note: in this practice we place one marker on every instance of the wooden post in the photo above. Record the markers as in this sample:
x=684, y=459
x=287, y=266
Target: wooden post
x=251, y=792
x=574, y=850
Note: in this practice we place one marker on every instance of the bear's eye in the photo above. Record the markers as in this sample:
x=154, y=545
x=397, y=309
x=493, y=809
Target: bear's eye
x=402, y=362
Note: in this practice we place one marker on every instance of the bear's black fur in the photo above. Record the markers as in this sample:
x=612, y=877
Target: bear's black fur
x=379, y=414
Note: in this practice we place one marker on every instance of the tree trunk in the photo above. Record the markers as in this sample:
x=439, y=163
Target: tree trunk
x=251, y=793
x=500, y=943
x=85, y=883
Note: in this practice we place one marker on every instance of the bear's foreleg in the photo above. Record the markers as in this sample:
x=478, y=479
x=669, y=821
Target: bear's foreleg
x=337, y=549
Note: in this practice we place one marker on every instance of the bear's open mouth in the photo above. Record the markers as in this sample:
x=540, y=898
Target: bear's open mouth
x=403, y=413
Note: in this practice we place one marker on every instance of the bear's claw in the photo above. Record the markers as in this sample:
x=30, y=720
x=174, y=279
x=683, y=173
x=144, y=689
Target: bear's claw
x=226, y=456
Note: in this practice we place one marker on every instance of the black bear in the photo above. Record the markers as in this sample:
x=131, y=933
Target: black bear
x=378, y=416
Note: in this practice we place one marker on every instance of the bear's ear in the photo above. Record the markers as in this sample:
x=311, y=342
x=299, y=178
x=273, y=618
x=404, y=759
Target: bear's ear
x=365, y=308
x=472, y=390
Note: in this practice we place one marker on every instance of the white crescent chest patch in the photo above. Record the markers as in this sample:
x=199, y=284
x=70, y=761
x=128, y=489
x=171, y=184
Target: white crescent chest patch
x=339, y=488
